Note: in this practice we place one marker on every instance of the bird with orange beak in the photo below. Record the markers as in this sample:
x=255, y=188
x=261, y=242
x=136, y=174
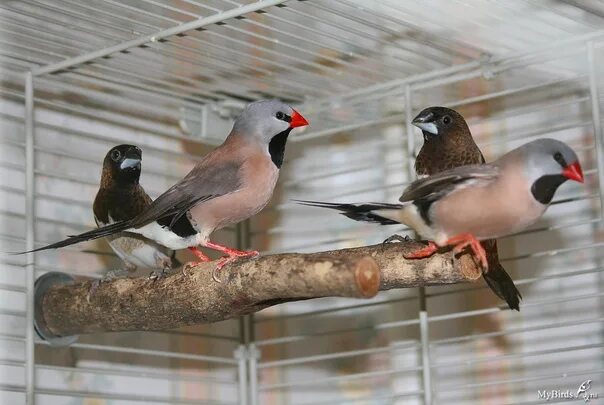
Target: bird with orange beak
x=230, y=184
x=461, y=206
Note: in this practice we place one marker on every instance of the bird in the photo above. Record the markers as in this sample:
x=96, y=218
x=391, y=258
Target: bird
x=230, y=184
x=462, y=206
x=448, y=143
x=121, y=197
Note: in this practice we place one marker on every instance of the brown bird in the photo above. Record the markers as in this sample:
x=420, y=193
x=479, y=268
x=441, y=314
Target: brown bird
x=120, y=198
x=448, y=143
x=230, y=184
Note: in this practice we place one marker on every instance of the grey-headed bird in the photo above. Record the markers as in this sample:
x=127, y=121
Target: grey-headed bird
x=448, y=143
x=462, y=206
x=230, y=184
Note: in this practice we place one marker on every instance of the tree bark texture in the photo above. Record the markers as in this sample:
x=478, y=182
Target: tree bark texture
x=247, y=286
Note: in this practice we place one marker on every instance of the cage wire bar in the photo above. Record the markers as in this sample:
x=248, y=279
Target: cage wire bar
x=247, y=355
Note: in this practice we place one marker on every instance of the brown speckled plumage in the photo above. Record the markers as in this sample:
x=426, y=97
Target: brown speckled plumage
x=120, y=198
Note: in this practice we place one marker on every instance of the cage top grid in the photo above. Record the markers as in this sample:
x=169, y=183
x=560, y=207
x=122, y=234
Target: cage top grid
x=293, y=49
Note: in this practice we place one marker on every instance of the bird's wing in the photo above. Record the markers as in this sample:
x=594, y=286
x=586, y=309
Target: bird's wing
x=206, y=181
x=444, y=182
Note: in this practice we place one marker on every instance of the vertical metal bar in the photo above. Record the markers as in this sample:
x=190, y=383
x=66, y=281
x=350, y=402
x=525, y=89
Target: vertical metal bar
x=241, y=356
x=410, y=136
x=246, y=327
x=29, y=239
x=597, y=123
x=254, y=356
x=203, y=130
x=423, y=313
x=425, y=341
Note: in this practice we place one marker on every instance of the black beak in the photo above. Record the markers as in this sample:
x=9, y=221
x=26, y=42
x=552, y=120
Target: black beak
x=423, y=117
x=425, y=122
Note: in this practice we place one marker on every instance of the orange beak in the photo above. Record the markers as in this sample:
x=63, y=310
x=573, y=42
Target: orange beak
x=297, y=120
x=573, y=172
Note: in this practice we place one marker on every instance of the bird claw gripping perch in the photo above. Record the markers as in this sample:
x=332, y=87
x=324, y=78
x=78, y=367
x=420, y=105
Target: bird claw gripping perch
x=202, y=258
x=459, y=243
x=233, y=255
x=468, y=240
x=422, y=253
x=110, y=275
x=396, y=238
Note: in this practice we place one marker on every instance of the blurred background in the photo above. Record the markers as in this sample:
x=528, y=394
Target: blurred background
x=169, y=76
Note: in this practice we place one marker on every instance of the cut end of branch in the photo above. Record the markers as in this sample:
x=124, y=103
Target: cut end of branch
x=367, y=276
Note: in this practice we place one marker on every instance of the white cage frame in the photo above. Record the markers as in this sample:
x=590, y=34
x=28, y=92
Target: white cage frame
x=247, y=356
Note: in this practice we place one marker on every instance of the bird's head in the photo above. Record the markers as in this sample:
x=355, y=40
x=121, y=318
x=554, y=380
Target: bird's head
x=122, y=164
x=269, y=123
x=436, y=122
x=549, y=163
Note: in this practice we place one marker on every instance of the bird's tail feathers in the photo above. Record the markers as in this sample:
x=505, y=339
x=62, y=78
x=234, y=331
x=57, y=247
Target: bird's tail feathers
x=107, y=230
x=500, y=282
x=358, y=212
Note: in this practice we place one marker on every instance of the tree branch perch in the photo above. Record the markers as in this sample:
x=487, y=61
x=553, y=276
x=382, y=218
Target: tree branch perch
x=247, y=286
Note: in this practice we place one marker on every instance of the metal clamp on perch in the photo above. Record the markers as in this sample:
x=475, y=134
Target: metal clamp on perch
x=65, y=309
x=44, y=283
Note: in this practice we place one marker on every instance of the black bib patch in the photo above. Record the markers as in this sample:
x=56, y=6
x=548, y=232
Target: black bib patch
x=545, y=187
x=276, y=147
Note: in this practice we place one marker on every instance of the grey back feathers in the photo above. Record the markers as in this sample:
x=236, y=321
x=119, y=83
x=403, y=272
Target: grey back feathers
x=208, y=180
x=262, y=120
x=435, y=186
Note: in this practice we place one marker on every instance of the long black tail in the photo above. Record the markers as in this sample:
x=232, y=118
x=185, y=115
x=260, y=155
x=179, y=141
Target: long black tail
x=107, y=230
x=503, y=286
x=358, y=212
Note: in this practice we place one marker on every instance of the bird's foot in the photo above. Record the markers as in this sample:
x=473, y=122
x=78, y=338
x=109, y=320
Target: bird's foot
x=202, y=259
x=422, y=253
x=464, y=240
x=93, y=287
x=397, y=238
x=235, y=254
x=232, y=255
x=157, y=274
x=110, y=275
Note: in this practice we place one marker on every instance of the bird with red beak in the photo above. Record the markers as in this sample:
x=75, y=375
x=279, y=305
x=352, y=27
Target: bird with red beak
x=230, y=184
x=460, y=207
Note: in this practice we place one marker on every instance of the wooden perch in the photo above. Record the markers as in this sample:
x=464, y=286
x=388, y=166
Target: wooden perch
x=247, y=286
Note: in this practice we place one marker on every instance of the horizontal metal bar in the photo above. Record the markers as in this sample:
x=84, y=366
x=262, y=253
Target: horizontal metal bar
x=125, y=373
x=524, y=379
x=525, y=304
x=328, y=380
x=511, y=331
x=113, y=140
x=449, y=71
x=338, y=355
x=367, y=399
x=512, y=356
x=280, y=318
x=298, y=338
x=115, y=397
x=519, y=281
x=192, y=25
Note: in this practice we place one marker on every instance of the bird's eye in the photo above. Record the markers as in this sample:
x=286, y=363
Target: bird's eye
x=446, y=120
x=115, y=155
x=559, y=158
x=280, y=115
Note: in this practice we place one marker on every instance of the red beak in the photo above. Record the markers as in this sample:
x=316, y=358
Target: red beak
x=297, y=120
x=573, y=172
